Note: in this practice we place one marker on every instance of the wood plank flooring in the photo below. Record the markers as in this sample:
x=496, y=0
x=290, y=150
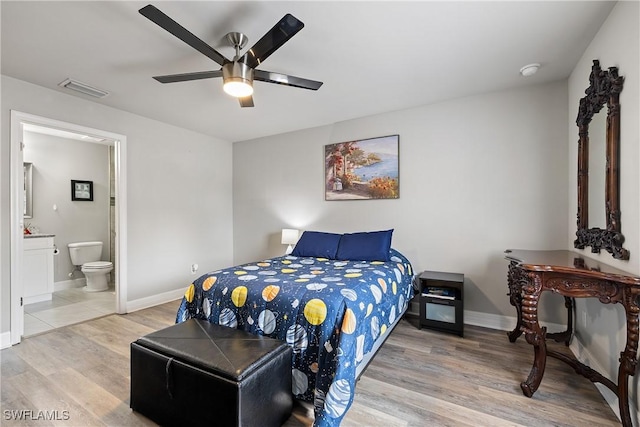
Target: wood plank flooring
x=419, y=378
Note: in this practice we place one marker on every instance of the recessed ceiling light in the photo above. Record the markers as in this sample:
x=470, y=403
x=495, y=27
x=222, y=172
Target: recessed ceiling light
x=529, y=70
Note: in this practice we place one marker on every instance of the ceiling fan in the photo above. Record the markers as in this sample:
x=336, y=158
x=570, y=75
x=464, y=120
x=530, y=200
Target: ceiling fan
x=238, y=74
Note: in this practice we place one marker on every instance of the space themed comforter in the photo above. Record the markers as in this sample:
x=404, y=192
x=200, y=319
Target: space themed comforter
x=329, y=311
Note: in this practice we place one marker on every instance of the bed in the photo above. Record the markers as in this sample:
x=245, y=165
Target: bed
x=333, y=309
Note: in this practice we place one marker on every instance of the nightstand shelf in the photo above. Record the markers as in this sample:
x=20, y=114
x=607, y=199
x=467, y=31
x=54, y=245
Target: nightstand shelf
x=441, y=300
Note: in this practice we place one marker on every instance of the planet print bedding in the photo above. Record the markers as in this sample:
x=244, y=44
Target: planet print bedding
x=331, y=312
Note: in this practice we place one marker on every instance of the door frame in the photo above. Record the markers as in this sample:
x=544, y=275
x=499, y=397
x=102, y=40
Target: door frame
x=18, y=119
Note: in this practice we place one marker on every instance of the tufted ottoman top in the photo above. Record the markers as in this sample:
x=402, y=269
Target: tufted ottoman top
x=230, y=353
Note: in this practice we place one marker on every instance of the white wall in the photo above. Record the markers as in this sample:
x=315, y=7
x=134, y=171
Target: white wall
x=616, y=44
x=179, y=191
x=477, y=176
x=56, y=161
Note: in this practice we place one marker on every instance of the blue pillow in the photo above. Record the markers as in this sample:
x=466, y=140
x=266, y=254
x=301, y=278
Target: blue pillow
x=369, y=246
x=317, y=244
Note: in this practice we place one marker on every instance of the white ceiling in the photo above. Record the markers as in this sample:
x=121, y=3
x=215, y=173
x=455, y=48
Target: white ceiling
x=373, y=57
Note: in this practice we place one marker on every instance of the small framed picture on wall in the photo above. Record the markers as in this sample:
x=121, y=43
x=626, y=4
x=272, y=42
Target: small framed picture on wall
x=81, y=191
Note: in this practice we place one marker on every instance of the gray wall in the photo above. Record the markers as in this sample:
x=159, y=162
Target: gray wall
x=179, y=201
x=477, y=176
x=616, y=44
x=56, y=161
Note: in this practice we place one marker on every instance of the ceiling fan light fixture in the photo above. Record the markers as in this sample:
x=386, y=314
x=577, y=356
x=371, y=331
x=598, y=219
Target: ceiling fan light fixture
x=238, y=79
x=238, y=89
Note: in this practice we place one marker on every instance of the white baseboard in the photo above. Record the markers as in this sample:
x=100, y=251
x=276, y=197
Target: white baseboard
x=69, y=284
x=154, y=300
x=37, y=298
x=502, y=323
x=5, y=340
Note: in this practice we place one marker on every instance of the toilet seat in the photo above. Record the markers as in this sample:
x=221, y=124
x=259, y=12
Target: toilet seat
x=97, y=265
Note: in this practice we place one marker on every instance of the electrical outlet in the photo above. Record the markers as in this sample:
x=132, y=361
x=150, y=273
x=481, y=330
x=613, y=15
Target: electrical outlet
x=194, y=268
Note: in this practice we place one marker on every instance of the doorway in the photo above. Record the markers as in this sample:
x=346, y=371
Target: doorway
x=18, y=122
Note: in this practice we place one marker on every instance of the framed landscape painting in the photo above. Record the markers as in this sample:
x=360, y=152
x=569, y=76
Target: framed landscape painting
x=363, y=169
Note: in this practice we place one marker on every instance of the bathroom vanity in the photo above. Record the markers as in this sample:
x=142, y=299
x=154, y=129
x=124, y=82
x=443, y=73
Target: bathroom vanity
x=37, y=267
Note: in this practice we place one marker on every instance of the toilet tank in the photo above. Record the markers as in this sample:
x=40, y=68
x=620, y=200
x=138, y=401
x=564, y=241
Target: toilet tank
x=83, y=252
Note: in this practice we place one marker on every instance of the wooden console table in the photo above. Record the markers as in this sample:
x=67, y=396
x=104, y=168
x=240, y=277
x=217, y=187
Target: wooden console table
x=572, y=276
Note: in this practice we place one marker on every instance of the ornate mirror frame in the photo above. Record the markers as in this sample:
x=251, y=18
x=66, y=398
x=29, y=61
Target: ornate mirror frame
x=604, y=89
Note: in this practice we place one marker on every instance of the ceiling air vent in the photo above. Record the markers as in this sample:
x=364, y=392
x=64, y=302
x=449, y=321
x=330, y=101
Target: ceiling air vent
x=83, y=88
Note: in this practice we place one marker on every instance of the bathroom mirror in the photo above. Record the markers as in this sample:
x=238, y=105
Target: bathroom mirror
x=28, y=190
x=598, y=177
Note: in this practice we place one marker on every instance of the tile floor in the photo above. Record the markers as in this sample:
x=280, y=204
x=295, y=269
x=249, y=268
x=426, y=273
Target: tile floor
x=67, y=307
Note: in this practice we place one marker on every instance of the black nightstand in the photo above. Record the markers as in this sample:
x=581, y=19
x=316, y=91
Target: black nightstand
x=442, y=301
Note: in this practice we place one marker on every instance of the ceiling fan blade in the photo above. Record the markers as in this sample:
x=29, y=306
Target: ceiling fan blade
x=288, y=26
x=155, y=15
x=247, y=101
x=173, y=78
x=284, y=79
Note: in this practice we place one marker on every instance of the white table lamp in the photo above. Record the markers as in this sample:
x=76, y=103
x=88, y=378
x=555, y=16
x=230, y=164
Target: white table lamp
x=289, y=237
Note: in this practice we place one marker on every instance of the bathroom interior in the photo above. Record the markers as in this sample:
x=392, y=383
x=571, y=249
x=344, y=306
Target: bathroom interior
x=69, y=245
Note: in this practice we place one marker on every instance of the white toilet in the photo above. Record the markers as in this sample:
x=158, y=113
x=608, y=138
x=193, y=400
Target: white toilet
x=87, y=255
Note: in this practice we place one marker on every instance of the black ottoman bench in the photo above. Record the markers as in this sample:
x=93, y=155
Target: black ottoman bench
x=199, y=374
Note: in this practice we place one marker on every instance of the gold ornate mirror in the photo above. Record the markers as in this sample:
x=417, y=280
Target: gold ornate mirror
x=604, y=89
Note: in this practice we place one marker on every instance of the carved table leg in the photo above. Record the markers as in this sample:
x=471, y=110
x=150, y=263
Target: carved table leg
x=534, y=334
x=515, y=298
x=565, y=336
x=628, y=360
